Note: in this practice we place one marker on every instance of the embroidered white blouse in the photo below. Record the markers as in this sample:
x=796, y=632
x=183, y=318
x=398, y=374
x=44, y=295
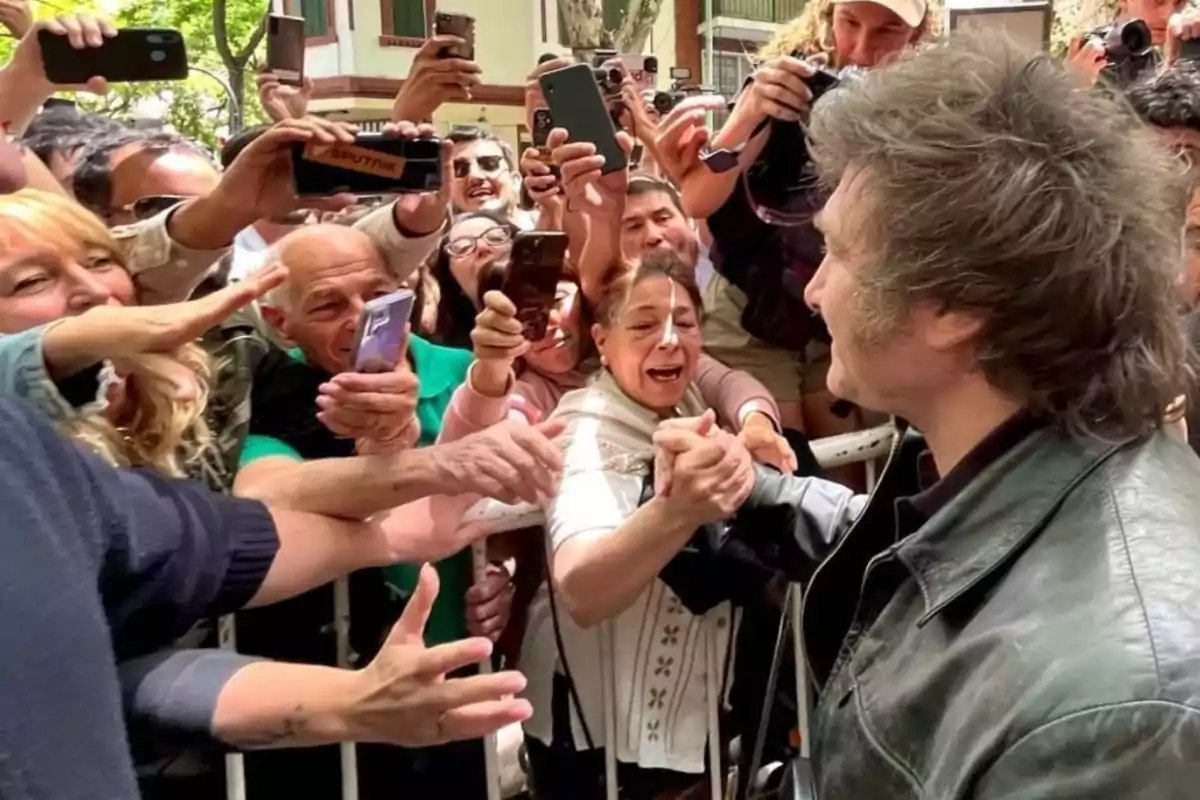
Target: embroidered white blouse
x=668, y=665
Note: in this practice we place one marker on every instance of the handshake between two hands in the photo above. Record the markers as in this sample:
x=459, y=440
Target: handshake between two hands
x=706, y=473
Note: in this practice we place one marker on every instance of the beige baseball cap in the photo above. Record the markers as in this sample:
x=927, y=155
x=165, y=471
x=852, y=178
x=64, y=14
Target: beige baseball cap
x=911, y=12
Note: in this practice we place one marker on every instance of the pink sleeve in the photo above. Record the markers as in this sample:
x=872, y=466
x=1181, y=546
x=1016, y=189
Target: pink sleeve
x=469, y=411
x=733, y=394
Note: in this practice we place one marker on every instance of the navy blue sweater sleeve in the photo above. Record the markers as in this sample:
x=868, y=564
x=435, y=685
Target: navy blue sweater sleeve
x=90, y=553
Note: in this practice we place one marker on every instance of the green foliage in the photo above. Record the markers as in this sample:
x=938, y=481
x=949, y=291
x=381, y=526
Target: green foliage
x=198, y=107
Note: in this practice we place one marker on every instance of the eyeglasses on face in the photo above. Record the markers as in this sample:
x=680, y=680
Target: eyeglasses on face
x=487, y=164
x=461, y=246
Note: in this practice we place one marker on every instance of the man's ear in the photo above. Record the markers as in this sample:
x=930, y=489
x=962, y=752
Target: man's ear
x=599, y=338
x=279, y=325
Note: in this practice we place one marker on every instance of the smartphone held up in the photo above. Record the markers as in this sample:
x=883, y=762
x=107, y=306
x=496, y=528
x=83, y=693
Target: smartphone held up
x=382, y=336
x=448, y=23
x=134, y=54
x=373, y=165
x=285, y=48
x=531, y=282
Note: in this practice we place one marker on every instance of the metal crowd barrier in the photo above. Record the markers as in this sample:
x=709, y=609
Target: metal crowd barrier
x=865, y=446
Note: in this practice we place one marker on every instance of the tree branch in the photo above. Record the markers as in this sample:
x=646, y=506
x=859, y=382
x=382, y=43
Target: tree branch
x=252, y=45
x=221, y=34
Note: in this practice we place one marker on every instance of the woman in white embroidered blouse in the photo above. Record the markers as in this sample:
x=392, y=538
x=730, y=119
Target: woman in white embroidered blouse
x=668, y=665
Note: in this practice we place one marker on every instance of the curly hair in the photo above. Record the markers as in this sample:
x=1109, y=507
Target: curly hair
x=156, y=429
x=1170, y=99
x=812, y=31
x=994, y=183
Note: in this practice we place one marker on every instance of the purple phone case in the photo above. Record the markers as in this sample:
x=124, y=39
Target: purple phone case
x=382, y=332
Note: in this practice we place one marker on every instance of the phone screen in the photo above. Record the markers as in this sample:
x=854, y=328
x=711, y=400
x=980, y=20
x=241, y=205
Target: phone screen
x=285, y=48
x=534, y=270
x=383, y=332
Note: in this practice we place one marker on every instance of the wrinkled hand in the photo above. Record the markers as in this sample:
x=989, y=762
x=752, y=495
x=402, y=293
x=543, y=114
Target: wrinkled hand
x=585, y=188
x=489, y=603
x=283, y=102
x=432, y=81
x=82, y=31
x=378, y=407
x=497, y=335
x=404, y=698
x=427, y=212
x=765, y=444
x=16, y=16
x=534, y=98
x=258, y=184
x=779, y=90
x=1182, y=27
x=509, y=461
x=540, y=181
x=1087, y=58
x=711, y=472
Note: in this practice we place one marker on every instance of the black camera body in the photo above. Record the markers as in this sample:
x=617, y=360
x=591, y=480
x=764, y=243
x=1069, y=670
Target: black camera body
x=609, y=80
x=1128, y=49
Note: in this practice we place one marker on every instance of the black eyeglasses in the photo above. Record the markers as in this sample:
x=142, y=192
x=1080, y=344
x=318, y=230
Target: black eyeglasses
x=465, y=245
x=489, y=165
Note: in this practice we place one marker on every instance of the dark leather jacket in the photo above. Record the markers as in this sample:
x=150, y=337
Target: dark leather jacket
x=1038, y=637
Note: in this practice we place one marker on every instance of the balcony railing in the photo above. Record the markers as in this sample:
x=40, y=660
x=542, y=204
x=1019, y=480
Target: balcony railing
x=758, y=10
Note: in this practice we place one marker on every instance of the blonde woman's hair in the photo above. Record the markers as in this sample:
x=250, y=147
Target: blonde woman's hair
x=157, y=429
x=812, y=31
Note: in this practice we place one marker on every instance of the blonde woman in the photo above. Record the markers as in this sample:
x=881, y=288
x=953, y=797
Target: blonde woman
x=127, y=382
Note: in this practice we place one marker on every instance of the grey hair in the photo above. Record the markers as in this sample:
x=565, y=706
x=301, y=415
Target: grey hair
x=997, y=184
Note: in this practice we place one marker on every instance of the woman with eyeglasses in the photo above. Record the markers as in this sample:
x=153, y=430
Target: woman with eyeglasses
x=477, y=244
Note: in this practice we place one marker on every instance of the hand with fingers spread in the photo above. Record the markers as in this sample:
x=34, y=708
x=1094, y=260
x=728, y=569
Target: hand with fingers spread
x=541, y=180
x=425, y=213
x=433, y=80
x=283, y=102
x=585, y=188
x=404, y=697
x=16, y=16
x=489, y=603
x=710, y=472
x=509, y=461
x=379, y=408
x=123, y=332
x=82, y=31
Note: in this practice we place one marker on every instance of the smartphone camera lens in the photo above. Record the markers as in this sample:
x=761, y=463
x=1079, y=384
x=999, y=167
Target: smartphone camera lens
x=158, y=55
x=162, y=38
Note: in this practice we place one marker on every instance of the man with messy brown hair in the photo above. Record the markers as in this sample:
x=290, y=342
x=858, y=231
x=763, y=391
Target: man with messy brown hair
x=1002, y=255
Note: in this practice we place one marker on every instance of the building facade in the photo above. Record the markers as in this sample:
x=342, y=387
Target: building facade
x=359, y=51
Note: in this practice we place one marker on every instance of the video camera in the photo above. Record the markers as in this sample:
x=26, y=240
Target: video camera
x=1128, y=48
x=609, y=79
x=681, y=88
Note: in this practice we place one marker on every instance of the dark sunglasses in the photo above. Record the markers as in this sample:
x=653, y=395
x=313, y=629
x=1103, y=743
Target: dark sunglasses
x=489, y=164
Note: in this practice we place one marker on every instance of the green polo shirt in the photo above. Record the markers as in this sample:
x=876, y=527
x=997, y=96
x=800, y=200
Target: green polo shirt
x=440, y=370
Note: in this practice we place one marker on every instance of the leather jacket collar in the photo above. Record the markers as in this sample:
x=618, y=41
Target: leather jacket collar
x=990, y=520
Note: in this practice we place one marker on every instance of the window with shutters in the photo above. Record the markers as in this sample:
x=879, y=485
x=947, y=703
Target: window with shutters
x=407, y=22
x=318, y=18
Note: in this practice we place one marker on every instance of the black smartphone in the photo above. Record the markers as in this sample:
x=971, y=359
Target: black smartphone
x=134, y=54
x=534, y=269
x=285, y=48
x=447, y=23
x=374, y=164
x=577, y=105
x=543, y=123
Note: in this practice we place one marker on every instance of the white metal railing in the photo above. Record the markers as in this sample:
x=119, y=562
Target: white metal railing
x=865, y=446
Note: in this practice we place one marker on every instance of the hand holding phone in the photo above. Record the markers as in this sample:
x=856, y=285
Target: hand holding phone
x=382, y=335
x=534, y=269
x=577, y=105
x=373, y=165
x=130, y=55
